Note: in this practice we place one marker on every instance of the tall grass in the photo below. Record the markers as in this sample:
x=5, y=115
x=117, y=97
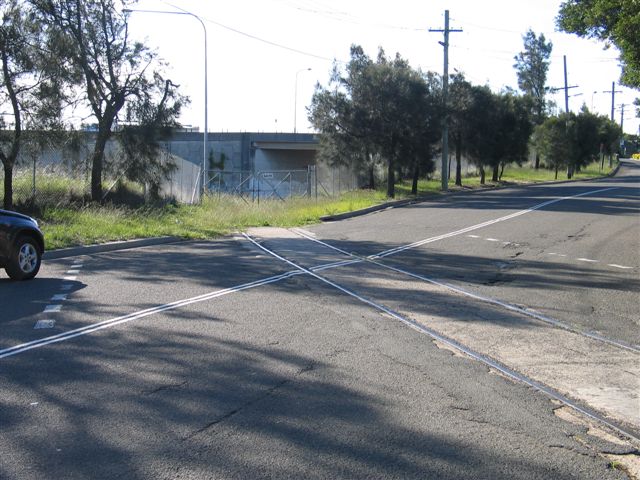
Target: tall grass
x=66, y=226
x=45, y=189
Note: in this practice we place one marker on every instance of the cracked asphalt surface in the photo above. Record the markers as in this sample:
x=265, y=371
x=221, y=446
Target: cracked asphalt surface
x=294, y=379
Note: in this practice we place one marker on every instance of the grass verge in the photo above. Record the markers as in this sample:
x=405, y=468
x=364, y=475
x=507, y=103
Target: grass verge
x=66, y=227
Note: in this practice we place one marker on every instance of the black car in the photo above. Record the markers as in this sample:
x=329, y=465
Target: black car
x=21, y=245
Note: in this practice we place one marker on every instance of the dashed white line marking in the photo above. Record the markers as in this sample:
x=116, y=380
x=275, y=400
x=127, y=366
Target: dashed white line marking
x=70, y=279
x=624, y=267
x=61, y=297
x=473, y=236
x=492, y=240
x=589, y=260
x=396, y=250
x=62, y=337
x=40, y=324
x=52, y=308
x=73, y=272
x=77, y=265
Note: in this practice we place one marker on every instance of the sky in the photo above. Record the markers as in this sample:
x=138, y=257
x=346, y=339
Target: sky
x=260, y=51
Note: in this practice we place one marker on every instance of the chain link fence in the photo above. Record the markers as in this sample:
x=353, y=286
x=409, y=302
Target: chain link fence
x=54, y=175
x=312, y=182
x=47, y=175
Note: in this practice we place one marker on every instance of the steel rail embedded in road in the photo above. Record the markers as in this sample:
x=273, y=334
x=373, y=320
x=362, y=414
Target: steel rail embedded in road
x=508, y=306
x=490, y=362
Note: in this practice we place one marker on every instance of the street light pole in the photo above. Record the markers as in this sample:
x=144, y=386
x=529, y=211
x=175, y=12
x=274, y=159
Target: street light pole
x=206, y=117
x=295, y=100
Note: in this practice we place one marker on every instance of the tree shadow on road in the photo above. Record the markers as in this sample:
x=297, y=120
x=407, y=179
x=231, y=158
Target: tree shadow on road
x=247, y=403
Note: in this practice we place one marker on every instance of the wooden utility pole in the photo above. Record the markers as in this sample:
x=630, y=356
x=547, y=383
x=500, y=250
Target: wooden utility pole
x=613, y=92
x=445, y=100
x=566, y=85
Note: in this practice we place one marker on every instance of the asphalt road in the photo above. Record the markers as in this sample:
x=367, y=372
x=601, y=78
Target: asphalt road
x=577, y=260
x=213, y=360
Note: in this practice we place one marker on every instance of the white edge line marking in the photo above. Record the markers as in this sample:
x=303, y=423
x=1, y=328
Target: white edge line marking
x=624, y=267
x=524, y=311
x=137, y=315
x=419, y=243
x=150, y=311
x=469, y=352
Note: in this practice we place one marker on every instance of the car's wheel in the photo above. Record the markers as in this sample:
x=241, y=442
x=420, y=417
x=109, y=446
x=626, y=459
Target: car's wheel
x=24, y=261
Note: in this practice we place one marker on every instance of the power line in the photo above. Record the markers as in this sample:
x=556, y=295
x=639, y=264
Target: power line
x=265, y=41
x=348, y=18
x=269, y=42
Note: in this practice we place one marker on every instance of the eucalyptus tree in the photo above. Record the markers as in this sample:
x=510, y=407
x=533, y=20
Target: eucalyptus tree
x=573, y=141
x=31, y=84
x=150, y=119
x=513, y=128
x=343, y=134
x=383, y=109
x=532, y=66
x=92, y=37
x=480, y=128
x=611, y=21
x=552, y=141
x=460, y=102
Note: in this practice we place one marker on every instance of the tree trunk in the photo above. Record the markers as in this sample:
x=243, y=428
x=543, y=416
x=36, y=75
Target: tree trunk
x=372, y=178
x=8, y=186
x=494, y=176
x=391, y=180
x=501, y=171
x=556, y=171
x=97, y=161
x=416, y=175
x=482, y=175
x=9, y=160
x=570, y=172
x=537, y=164
x=458, y=164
